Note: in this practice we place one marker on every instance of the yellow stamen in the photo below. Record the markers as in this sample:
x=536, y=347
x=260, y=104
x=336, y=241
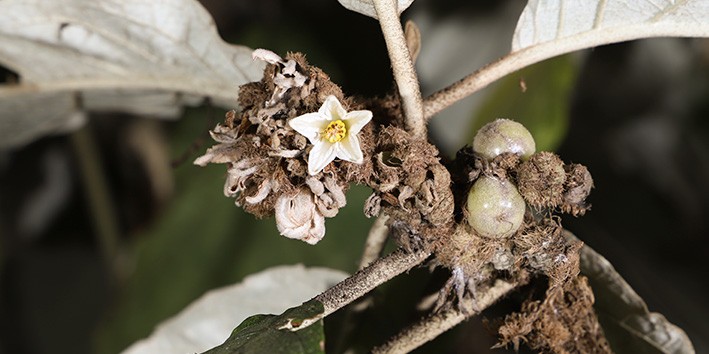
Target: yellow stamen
x=335, y=131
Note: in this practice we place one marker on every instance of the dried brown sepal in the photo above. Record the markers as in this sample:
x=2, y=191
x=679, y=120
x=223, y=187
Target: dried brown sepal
x=412, y=187
x=563, y=323
x=266, y=158
x=577, y=187
x=538, y=248
x=541, y=180
x=469, y=252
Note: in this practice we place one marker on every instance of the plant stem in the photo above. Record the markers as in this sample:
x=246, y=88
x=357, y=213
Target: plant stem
x=362, y=282
x=99, y=200
x=376, y=239
x=434, y=325
x=475, y=82
x=402, y=65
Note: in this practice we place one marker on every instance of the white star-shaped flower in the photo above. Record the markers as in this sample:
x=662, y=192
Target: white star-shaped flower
x=333, y=132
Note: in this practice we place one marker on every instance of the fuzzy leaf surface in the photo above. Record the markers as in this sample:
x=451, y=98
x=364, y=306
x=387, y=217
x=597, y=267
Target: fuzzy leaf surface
x=548, y=28
x=627, y=323
x=135, y=56
x=366, y=7
x=208, y=321
x=572, y=25
x=263, y=334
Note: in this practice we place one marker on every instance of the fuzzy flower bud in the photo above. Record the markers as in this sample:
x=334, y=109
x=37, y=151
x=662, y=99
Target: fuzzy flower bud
x=298, y=217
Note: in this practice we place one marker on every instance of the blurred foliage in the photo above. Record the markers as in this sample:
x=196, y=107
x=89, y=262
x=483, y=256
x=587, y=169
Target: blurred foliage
x=542, y=107
x=262, y=334
x=329, y=35
x=627, y=323
x=202, y=241
x=2, y=249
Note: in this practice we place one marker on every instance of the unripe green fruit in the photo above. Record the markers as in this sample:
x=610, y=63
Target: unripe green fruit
x=501, y=136
x=495, y=207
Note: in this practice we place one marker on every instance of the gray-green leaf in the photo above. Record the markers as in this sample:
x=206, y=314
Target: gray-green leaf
x=570, y=25
x=136, y=56
x=366, y=7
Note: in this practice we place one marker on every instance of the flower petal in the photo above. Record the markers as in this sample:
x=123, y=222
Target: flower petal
x=321, y=154
x=349, y=150
x=309, y=125
x=332, y=109
x=355, y=120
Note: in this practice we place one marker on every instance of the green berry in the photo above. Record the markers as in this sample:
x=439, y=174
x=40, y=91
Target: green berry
x=495, y=207
x=501, y=136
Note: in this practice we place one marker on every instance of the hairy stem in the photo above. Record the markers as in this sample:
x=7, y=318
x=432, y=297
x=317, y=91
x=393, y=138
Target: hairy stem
x=376, y=239
x=476, y=81
x=434, y=325
x=402, y=65
x=362, y=282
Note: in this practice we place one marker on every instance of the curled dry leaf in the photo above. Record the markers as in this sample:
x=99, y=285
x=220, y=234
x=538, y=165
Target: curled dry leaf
x=366, y=7
x=135, y=56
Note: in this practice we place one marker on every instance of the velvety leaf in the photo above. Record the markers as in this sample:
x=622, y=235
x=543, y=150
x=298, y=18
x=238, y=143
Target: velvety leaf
x=208, y=321
x=548, y=28
x=572, y=25
x=537, y=96
x=266, y=333
x=627, y=323
x=136, y=56
x=366, y=7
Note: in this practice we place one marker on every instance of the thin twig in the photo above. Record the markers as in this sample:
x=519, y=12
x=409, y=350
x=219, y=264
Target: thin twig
x=402, y=65
x=362, y=282
x=540, y=51
x=434, y=325
x=376, y=239
x=99, y=199
x=373, y=248
x=477, y=81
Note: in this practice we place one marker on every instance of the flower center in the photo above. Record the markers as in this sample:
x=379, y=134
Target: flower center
x=335, y=131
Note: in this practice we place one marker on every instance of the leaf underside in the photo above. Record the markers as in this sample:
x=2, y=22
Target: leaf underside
x=134, y=56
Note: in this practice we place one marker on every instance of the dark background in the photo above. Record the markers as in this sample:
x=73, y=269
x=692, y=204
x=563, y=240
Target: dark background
x=637, y=118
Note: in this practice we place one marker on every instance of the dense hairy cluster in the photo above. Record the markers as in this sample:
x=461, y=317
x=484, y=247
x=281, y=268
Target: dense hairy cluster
x=508, y=197
x=412, y=187
x=267, y=168
x=563, y=322
x=267, y=159
x=496, y=215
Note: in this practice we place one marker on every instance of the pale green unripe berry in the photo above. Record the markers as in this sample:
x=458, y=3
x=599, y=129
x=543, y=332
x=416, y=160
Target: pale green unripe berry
x=495, y=207
x=503, y=135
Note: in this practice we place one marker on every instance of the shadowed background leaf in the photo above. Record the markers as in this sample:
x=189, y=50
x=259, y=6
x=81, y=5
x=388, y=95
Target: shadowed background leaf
x=134, y=56
x=627, y=323
x=202, y=241
x=537, y=96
